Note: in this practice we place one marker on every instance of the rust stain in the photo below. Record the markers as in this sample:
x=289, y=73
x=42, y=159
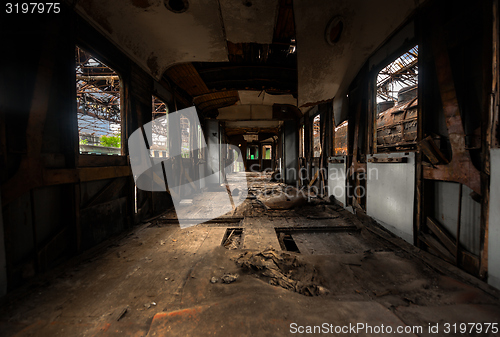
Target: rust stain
x=190, y=312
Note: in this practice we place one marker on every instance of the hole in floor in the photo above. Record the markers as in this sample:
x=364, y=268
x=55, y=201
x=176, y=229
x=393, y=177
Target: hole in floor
x=287, y=243
x=233, y=238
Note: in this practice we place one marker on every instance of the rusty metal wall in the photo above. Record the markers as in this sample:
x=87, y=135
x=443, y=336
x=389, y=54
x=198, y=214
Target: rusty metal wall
x=494, y=222
x=390, y=193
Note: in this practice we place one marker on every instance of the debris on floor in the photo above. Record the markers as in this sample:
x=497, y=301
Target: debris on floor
x=233, y=239
x=284, y=270
x=229, y=278
x=283, y=197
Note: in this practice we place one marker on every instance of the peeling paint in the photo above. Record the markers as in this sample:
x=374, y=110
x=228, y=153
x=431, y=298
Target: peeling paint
x=249, y=21
x=195, y=35
x=323, y=69
x=153, y=64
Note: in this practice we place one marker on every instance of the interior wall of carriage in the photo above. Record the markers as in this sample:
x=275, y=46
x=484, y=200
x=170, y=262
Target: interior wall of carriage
x=65, y=188
x=429, y=195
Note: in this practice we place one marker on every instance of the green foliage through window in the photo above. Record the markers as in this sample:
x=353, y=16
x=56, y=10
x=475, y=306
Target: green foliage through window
x=111, y=141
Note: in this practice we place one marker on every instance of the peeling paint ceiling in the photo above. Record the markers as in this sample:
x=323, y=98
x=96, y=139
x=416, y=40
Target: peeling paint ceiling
x=249, y=20
x=324, y=69
x=156, y=37
x=263, y=98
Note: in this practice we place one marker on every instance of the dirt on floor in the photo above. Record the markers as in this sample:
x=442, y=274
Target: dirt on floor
x=161, y=280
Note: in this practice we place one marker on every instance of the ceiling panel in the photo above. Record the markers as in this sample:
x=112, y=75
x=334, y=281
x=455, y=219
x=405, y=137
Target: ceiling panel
x=249, y=20
x=324, y=69
x=156, y=37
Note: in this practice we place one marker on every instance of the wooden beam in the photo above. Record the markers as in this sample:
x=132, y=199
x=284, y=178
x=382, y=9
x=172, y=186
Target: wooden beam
x=99, y=173
x=443, y=236
x=32, y=175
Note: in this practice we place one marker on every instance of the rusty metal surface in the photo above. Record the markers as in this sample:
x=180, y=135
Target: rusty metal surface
x=460, y=169
x=341, y=139
x=397, y=126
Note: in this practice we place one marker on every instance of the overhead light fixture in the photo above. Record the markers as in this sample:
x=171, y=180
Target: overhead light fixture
x=176, y=6
x=334, y=29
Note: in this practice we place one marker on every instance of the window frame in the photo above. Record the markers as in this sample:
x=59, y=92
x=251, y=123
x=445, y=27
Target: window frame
x=83, y=157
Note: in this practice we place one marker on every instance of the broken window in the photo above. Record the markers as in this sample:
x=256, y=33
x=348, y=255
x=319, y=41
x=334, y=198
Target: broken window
x=98, y=105
x=316, y=136
x=266, y=151
x=397, y=103
x=185, y=137
x=159, y=148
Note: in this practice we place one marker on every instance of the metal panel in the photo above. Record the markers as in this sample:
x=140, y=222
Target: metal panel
x=494, y=222
x=212, y=127
x=337, y=179
x=291, y=152
x=446, y=212
x=390, y=190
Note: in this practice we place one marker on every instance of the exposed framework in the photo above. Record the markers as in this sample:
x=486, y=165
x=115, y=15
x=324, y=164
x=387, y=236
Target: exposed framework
x=400, y=73
x=98, y=96
x=317, y=136
x=159, y=127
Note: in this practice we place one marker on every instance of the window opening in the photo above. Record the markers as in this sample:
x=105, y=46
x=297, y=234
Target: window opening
x=98, y=105
x=253, y=152
x=185, y=137
x=266, y=151
x=159, y=148
x=317, y=136
x=397, y=103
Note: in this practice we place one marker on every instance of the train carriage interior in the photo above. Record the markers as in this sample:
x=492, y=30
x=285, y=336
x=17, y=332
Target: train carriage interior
x=250, y=167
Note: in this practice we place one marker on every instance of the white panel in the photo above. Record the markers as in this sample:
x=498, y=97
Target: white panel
x=337, y=180
x=446, y=213
x=494, y=221
x=212, y=129
x=390, y=190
